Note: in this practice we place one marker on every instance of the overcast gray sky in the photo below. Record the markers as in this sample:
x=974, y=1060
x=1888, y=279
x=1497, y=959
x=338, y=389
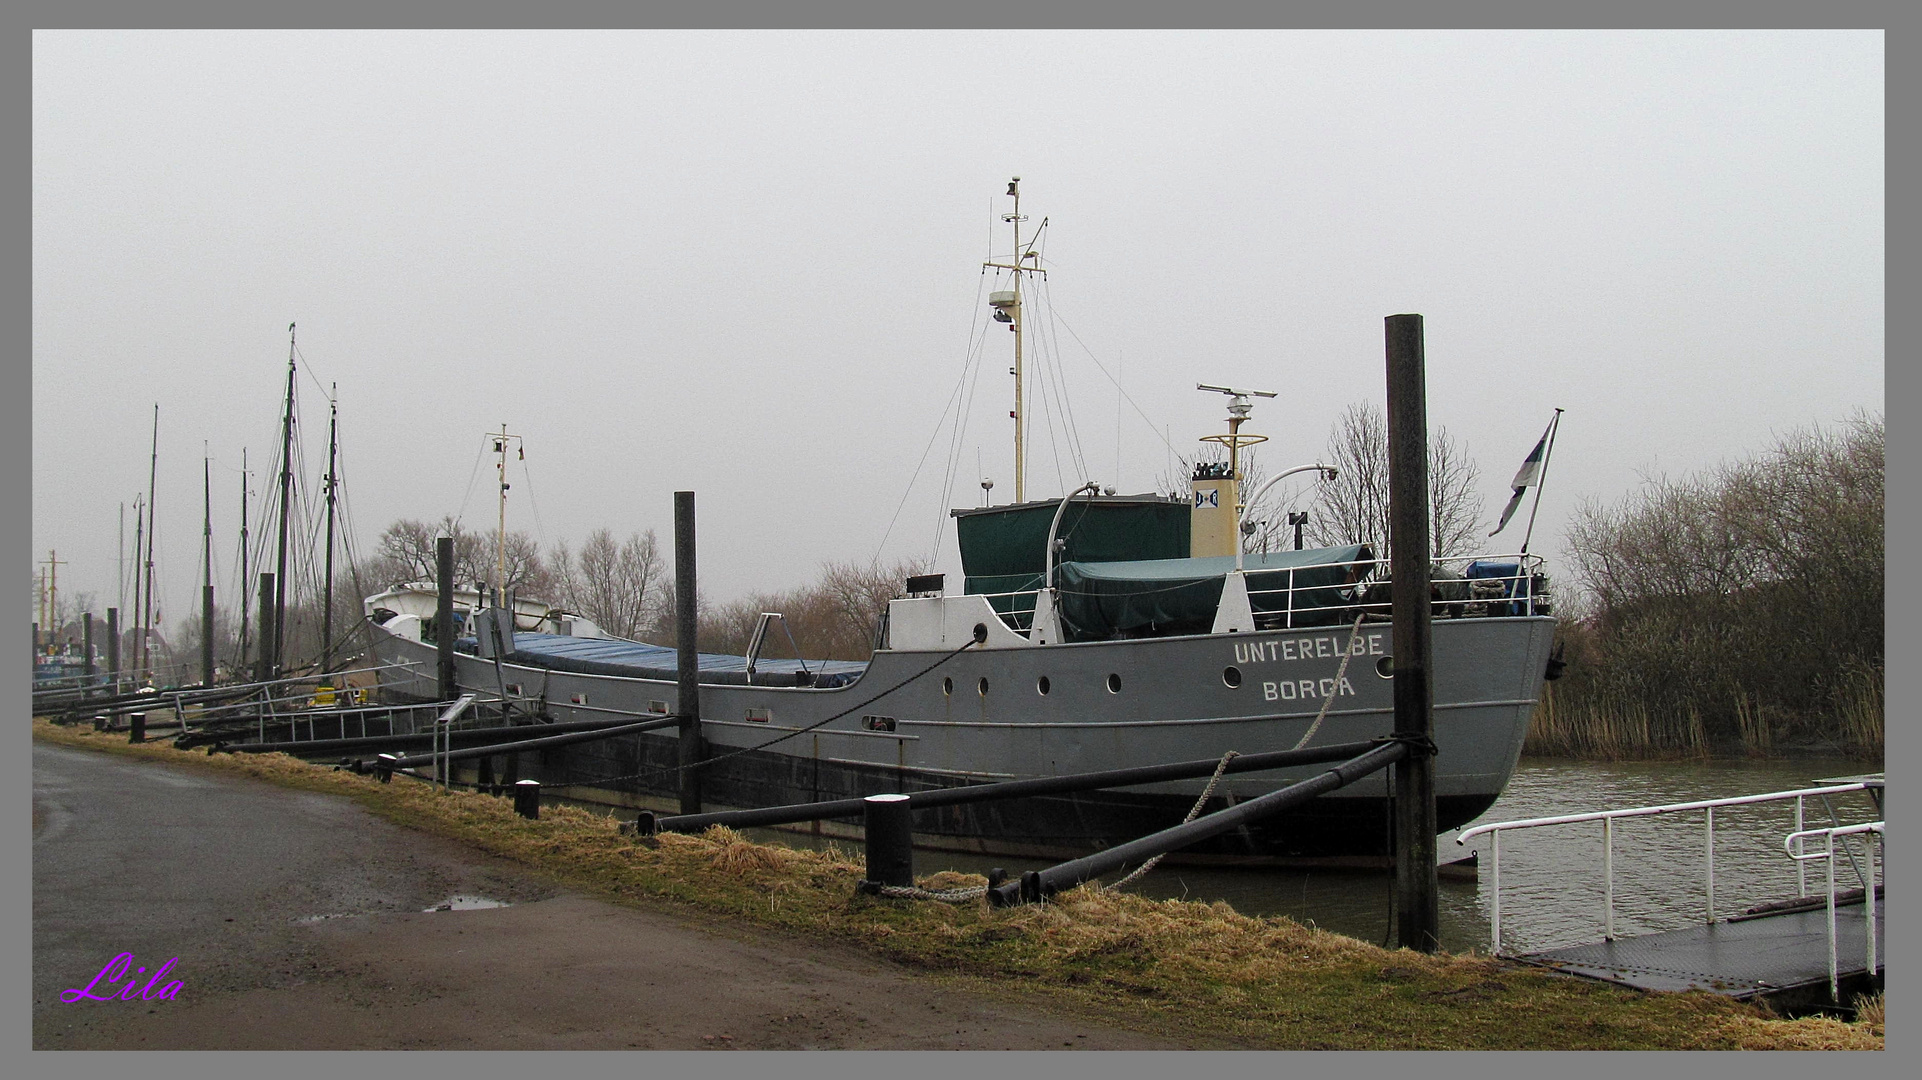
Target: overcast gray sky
x=749, y=264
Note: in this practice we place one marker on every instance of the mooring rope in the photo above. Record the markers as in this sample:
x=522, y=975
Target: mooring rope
x=915, y=892
x=1193, y=812
x=705, y=762
x=1354, y=639
x=911, y=892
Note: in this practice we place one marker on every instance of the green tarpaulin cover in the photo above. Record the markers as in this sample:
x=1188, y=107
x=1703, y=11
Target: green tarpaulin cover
x=1155, y=597
x=1002, y=547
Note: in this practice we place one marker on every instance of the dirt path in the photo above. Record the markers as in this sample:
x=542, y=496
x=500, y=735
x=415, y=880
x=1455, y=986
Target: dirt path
x=299, y=921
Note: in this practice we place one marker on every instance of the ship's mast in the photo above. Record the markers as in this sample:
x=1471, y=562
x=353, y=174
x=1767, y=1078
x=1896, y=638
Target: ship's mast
x=207, y=554
x=153, y=530
x=51, y=607
x=327, y=594
x=139, y=537
x=240, y=662
x=1008, y=309
x=500, y=536
x=286, y=496
x=1238, y=409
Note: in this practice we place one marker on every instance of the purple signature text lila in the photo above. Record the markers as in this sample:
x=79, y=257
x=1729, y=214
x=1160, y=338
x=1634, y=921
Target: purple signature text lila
x=116, y=970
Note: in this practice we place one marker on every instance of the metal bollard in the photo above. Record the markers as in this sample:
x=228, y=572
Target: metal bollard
x=137, y=731
x=889, y=824
x=527, y=799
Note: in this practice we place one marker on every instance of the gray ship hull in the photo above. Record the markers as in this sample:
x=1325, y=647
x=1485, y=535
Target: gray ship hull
x=1001, y=713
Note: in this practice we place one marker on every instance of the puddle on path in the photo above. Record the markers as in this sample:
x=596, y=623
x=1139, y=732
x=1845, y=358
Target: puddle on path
x=452, y=903
x=466, y=903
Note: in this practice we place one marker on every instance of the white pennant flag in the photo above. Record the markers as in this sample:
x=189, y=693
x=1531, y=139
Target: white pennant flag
x=1529, y=475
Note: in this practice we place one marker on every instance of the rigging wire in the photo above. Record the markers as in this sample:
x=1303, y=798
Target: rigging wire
x=954, y=398
x=1055, y=313
x=1049, y=342
x=1058, y=366
x=471, y=477
x=540, y=531
x=977, y=347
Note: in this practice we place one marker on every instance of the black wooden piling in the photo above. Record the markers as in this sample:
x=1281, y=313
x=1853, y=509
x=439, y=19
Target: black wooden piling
x=137, y=727
x=686, y=626
x=888, y=825
x=1417, y=894
x=484, y=778
x=527, y=799
x=86, y=650
x=113, y=647
x=265, y=660
x=444, y=616
x=207, y=634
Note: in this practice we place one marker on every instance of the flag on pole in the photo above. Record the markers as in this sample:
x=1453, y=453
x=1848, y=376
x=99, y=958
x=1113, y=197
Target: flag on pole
x=1529, y=475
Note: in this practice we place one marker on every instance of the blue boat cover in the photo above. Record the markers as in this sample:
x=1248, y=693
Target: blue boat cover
x=638, y=660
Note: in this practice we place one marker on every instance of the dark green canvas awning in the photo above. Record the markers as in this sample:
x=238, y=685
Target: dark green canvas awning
x=1002, y=547
x=1157, y=597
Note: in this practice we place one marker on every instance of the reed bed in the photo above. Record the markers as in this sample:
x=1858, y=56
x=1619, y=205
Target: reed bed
x=1582, y=720
x=1179, y=966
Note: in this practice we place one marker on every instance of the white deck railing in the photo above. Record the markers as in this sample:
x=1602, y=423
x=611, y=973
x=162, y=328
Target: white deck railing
x=1795, y=844
x=1608, y=819
x=1517, y=593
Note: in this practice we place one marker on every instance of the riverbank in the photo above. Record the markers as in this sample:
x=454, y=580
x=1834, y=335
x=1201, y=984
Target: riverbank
x=1178, y=968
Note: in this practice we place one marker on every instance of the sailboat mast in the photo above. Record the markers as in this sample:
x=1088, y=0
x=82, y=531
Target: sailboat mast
x=286, y=495
x=327, y=594
x=139, y=537
x=207, y=582
x=153, y=529
x=240, y=662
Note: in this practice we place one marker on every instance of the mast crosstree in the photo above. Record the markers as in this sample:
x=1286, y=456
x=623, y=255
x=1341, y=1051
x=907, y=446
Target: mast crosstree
x=1008, y=309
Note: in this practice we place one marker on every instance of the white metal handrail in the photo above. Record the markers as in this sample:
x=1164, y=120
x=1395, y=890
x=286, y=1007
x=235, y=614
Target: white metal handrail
x=1794, y=844
x=443, y=742
x=1608, y=817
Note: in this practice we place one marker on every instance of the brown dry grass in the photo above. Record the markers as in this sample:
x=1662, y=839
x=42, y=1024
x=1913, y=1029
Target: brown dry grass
x=1169, y=964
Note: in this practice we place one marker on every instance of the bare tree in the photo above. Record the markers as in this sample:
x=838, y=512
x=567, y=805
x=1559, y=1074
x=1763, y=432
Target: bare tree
x=1354, y=507
x=619, y=586
x=406, y=553
x=1748, y=597
x=833, y=619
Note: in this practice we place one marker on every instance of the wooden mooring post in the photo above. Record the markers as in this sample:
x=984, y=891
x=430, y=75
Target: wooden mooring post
x=444, y=616
x=113, y=647
x=686, y=626
x=527, y=799
x=888, y=831
x=1417, y=894
x=265, y=660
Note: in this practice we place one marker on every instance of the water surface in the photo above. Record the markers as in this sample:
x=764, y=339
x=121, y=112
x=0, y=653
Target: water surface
x=1552, y=879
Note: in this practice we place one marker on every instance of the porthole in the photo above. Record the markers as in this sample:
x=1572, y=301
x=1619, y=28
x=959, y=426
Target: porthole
x=1385, y=667
x=1231, y=677
x=947, y=687
x=1041, y=685
x=1114, y=683
x=983, y=688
